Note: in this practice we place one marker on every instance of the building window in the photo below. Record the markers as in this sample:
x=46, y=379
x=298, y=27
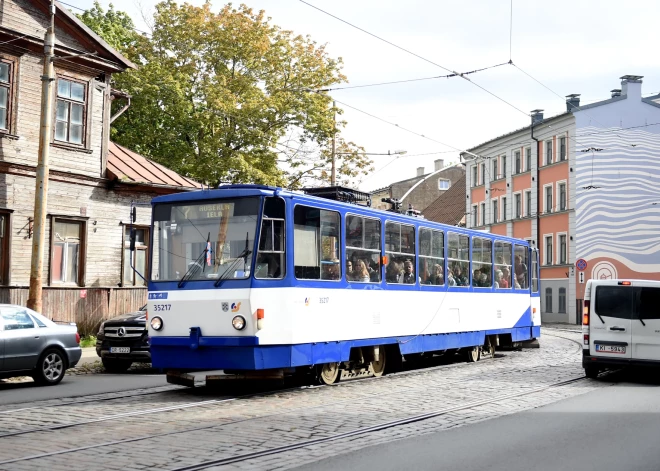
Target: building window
x=504, y=166
x=562, y=149
x=495, y=174
x=496, y=214
x=504, y=208
x=562, y=197
x=528, y=159
x=562, y=249
x=5, y=94
x=70, y=114
x=518, y=162
x=443, y=184
x=475, y=221
x=483, y=214
x=483, y=174
x=137, y=258
x=67, y=252
x=5, y=237
x=562, y=300
x=548, y=152
x=474, y=175
x=518, y=203
x=528, y=203
x=548, y=199
x=548, y=300
x=548, y=250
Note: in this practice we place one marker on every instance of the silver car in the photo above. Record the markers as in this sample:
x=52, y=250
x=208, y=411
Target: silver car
x=31, y=345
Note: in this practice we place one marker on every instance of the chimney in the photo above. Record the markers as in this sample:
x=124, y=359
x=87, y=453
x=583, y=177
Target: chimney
x=537, y=116
x=616, y=92
x=420, y=171
x=439, y=163
x=572, y=101
x=631, y=86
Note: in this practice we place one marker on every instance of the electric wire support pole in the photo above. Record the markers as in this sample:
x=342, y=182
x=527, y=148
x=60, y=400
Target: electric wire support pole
x=333, y=173
x=41, y=192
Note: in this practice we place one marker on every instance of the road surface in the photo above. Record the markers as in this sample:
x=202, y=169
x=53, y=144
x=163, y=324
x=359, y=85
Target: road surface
x=612, y=428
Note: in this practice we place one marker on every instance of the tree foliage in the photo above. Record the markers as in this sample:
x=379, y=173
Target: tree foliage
x=216, y=93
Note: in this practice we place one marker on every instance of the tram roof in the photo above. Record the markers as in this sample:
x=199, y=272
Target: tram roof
x=245, y=190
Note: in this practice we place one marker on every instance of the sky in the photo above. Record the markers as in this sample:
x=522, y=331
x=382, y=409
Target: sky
x=571, y=46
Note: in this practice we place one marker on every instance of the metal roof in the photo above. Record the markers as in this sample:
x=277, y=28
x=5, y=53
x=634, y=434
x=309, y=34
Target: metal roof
x=130, y=167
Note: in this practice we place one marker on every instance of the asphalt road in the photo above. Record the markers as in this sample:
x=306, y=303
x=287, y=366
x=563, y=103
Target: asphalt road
x=613, y=428
x=77, y=385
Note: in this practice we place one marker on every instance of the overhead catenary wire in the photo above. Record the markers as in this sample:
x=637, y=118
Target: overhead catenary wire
x=415, y=80
x=416, y=55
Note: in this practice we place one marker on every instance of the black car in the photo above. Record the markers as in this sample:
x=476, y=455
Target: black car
x=123, y=340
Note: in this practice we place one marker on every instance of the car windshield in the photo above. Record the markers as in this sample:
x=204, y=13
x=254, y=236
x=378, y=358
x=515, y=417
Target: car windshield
x=204, y=240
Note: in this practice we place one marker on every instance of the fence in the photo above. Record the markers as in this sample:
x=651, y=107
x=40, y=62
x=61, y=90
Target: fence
x=87, y=307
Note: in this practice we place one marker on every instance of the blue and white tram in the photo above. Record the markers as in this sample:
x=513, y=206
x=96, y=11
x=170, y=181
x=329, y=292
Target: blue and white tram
x=249, y=277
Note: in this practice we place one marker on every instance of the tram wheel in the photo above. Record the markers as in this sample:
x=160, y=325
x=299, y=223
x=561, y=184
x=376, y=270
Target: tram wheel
x=329, y=373
x=379, y=366
x=473, y=354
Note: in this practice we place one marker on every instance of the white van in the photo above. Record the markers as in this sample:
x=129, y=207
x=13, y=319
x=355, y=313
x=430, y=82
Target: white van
x=620, y=324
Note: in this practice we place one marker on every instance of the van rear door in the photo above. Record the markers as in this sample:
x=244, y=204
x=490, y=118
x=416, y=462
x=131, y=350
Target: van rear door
x=646, y=321
x=611, y=320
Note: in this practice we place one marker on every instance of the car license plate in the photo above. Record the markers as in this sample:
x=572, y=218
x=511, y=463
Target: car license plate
x=610, y=349
x=120, y=350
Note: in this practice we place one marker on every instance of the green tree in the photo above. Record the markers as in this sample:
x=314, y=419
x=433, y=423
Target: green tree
x=216, y=93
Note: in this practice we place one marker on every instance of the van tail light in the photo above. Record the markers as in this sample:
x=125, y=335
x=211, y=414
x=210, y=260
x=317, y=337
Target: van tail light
x=585, y=313
x=586, y=339
x=77, y=338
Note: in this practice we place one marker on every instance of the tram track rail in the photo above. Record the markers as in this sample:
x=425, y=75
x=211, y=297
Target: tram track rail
x=302, y=444
x=194, y=404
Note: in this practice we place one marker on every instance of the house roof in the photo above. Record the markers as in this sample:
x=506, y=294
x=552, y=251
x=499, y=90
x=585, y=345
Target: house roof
x=95, y=38
x=130, y=167
x=449, y=208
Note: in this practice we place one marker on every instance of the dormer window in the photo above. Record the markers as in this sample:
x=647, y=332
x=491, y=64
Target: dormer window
x=70, y=113
x=443, y=184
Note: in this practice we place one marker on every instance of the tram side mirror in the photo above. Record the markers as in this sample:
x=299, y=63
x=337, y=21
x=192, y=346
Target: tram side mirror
x=132, y=239
x=134, y=214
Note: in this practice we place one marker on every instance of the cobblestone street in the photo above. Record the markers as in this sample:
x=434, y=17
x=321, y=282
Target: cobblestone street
x=171, y=428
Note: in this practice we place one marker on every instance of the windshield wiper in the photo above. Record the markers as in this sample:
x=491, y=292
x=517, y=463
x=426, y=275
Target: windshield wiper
x=196, y=265
x=243, y=255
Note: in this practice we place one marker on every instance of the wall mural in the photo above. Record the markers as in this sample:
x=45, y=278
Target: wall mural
x=618, y=198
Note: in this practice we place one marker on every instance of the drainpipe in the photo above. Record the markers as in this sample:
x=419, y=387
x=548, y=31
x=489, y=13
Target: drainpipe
x=538, y=192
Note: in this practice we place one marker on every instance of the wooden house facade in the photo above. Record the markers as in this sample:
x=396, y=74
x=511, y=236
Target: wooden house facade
x=87, y=267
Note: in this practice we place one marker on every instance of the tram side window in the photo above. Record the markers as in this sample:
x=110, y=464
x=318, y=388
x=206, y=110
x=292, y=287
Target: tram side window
x=535, y=271
x=503, y=265
x=270, y=257
x=431, y=257
x=458, y=259
x=362, y=249
x=400, y=251
x=521, y=262
x=482, y=262
x=316, y=244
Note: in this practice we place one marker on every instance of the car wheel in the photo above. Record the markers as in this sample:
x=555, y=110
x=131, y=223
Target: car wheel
x=50, y=368
x=113, y=365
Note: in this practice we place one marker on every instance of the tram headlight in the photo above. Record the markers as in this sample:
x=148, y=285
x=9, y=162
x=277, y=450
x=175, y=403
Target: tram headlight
x=156, y=323
x=238, y=322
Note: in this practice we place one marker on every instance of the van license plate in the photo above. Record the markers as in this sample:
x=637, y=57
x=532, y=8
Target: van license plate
x=610, y=349
x=120, y=350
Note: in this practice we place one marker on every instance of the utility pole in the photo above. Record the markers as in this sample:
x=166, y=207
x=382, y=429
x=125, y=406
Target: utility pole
x=333, y=173
x=41, y=191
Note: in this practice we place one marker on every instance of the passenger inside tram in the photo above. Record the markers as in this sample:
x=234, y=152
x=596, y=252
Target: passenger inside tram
x=409, y=272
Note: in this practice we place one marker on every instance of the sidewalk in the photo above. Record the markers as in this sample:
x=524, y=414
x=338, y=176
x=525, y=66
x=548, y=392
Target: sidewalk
x=88, y=356
x=562, y=325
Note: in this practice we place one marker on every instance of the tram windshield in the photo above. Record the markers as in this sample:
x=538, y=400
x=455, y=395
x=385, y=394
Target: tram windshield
x=205, y=240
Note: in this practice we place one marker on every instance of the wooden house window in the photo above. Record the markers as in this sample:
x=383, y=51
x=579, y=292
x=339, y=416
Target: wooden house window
x=70, y=112
x=136, y=259
x=5, y=248
x=5, y=95
x=67, y=252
